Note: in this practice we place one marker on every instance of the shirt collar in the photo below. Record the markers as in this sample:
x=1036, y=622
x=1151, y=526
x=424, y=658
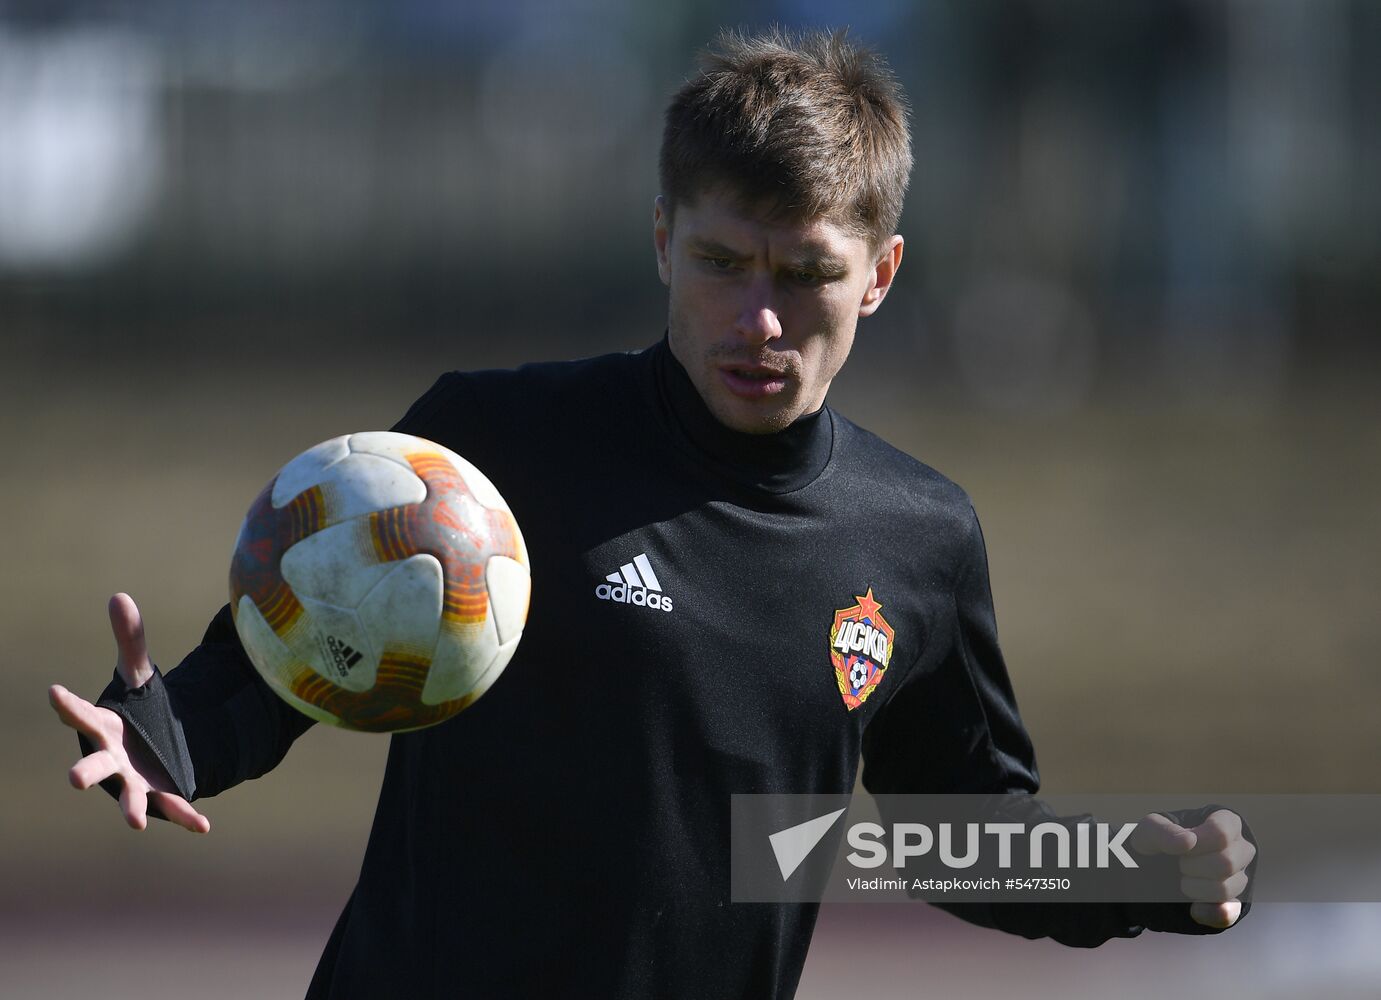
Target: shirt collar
x=781, y=462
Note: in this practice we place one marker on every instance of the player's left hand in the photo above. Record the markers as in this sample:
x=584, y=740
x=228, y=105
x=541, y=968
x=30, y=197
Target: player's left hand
x=1213, y=860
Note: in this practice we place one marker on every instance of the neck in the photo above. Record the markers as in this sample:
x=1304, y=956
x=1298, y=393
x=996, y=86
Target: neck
x=780, y=462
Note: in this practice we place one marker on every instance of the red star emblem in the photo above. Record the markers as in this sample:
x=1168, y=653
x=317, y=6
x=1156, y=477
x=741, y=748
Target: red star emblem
x=867, y=607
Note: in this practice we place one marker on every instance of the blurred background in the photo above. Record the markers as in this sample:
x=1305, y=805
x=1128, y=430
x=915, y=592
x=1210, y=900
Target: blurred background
x=1137, y=321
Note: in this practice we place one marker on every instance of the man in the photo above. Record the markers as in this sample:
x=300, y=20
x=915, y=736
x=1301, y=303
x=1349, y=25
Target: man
x=569, y=833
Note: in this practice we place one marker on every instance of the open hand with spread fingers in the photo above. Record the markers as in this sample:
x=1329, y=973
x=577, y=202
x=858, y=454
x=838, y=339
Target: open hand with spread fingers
x=119, y=754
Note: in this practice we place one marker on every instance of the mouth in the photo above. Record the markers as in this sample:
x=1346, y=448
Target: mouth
x=752, y=381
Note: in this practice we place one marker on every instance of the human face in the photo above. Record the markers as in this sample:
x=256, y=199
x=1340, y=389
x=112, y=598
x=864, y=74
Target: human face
x=762, y=313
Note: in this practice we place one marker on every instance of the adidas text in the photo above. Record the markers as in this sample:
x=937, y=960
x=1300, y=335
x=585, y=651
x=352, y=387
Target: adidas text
x=342, y=655
x=624, y=594
x=634, y=583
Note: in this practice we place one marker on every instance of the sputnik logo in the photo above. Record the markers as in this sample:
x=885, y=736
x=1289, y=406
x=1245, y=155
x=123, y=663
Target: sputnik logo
x=794, y=844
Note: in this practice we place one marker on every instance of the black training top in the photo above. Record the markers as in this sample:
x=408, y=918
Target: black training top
x=569, y=833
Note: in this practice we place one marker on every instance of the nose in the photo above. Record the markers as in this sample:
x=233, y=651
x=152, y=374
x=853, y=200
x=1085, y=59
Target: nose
x=757, y=321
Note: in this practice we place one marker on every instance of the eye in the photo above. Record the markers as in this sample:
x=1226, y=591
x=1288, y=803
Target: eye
x=807, y=278
x=719, y=263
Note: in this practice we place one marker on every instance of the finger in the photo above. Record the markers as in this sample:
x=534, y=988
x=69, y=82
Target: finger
x=134, y=803
x=1157, y=834
x=1220, y=864
x=1217, y=832
x=132, y=660
x=1214, y=890
x=78, y=713
x=1215, y=914
x=92, y=769
x=178, y=810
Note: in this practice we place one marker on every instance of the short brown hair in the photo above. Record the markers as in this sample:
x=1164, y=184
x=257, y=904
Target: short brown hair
x=807, y=125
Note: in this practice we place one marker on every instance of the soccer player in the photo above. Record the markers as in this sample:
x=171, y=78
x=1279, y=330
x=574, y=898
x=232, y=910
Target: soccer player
x=569, y=833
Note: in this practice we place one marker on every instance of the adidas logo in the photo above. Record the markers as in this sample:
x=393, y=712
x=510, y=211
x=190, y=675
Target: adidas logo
x=343, y=656
x=634, y=583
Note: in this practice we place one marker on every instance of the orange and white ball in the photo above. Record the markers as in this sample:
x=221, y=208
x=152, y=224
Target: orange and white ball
x=380, y=582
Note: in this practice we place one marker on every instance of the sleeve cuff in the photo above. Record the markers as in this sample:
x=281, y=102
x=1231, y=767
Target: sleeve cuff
x=148, y=712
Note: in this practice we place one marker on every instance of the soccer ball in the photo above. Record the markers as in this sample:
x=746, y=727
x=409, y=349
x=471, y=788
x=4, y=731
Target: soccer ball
x=858, y=674
x=379, y=582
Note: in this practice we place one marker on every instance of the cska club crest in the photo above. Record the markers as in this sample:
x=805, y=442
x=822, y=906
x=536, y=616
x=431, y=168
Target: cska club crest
x=860, y=649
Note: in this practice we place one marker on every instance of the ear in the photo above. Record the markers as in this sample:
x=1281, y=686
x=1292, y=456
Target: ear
x=661, y=237
x=883, y=273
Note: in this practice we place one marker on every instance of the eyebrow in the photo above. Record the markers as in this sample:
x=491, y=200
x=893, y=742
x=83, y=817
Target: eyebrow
x=712, y=248
x=820, y=261
x=809, y=258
